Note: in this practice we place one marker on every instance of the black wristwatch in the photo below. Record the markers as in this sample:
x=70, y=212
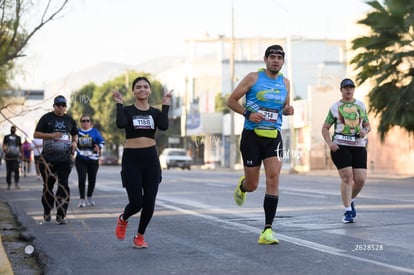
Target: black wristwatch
x=246, y=114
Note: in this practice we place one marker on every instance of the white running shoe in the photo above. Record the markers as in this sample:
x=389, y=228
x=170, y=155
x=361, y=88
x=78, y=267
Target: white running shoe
x=81, y=203
x=90, y=201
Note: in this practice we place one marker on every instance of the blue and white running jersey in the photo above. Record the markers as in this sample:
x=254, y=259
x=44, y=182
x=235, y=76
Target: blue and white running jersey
x=267, y=96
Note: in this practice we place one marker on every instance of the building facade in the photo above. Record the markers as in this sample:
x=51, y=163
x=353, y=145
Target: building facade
x=211, y=70
x=214, y=66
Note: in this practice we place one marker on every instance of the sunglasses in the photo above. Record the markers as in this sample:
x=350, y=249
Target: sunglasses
x=85, y=120
x=60, y=104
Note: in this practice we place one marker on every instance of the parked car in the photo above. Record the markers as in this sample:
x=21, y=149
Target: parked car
x=175, y=157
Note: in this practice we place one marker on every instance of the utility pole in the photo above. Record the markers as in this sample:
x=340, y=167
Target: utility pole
x=232, y=123
x=292, y=133
x=292, y=149
x=185, y=115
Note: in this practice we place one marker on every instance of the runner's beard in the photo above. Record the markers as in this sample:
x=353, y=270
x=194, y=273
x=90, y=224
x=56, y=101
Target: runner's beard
x=274, y=71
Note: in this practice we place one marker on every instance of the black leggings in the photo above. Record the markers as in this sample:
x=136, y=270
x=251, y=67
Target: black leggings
x=86, y=167
x=12, y=165
x=141, y=175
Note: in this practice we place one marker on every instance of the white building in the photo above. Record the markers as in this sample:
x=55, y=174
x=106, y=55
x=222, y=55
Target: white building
x=208, y=71
x=317, y=67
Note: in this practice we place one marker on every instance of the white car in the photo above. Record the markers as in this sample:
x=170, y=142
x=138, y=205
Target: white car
x=175, y=157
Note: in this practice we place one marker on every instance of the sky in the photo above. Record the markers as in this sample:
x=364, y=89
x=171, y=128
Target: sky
x=89, y=32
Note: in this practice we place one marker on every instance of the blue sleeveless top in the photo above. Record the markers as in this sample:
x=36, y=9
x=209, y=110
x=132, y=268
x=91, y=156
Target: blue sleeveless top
x=267, y=96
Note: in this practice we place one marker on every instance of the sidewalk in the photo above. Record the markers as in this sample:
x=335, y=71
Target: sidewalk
x=13, y=238
x=5, y=266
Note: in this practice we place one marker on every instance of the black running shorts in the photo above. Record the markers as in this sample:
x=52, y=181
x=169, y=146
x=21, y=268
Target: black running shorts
x=254, y=149
x=350, y=156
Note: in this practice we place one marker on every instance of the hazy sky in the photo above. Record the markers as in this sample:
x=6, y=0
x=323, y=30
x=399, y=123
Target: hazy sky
x=133, y=31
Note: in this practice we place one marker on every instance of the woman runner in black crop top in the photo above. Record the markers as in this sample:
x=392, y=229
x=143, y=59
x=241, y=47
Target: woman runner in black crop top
x=141, y=171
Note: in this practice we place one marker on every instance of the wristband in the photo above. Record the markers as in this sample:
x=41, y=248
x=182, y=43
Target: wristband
x=246, y=114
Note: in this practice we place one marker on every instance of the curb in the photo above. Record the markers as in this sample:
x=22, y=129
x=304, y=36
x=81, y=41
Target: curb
x=5, y=265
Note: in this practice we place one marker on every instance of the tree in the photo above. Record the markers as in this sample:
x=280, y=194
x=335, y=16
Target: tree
x=14, y=35
x=220, y=103
x=80, y=100
x=385, y=58
x=80, y=103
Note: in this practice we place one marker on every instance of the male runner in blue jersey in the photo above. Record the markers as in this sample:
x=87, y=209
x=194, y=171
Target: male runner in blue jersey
x=267, y=97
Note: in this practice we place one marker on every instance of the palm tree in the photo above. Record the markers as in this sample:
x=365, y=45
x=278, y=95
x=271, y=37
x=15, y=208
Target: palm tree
x=385, y=58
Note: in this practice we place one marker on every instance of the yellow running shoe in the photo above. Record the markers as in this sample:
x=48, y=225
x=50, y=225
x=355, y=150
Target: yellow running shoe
x=267, y=237
x=239, y=196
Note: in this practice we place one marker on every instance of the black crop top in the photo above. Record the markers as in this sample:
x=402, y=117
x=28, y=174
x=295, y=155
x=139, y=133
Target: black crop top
x=138, y=123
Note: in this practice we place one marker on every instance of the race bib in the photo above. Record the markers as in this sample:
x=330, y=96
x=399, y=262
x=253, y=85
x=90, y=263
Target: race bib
x=62, y=144
x=63, y=138
x=143, y=122
x=85, y=153
x=344, y=138
x=269, y=115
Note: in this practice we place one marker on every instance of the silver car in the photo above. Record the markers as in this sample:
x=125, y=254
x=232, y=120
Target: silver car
x=175, y=157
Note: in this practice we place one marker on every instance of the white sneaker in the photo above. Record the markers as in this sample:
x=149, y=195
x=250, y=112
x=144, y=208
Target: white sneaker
x=81, y=203
x=90, y=201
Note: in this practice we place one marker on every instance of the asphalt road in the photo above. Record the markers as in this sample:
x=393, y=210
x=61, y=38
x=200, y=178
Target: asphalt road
x=198, y=229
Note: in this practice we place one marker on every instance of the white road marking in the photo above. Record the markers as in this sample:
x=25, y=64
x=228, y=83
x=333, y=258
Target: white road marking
x=301, y=242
